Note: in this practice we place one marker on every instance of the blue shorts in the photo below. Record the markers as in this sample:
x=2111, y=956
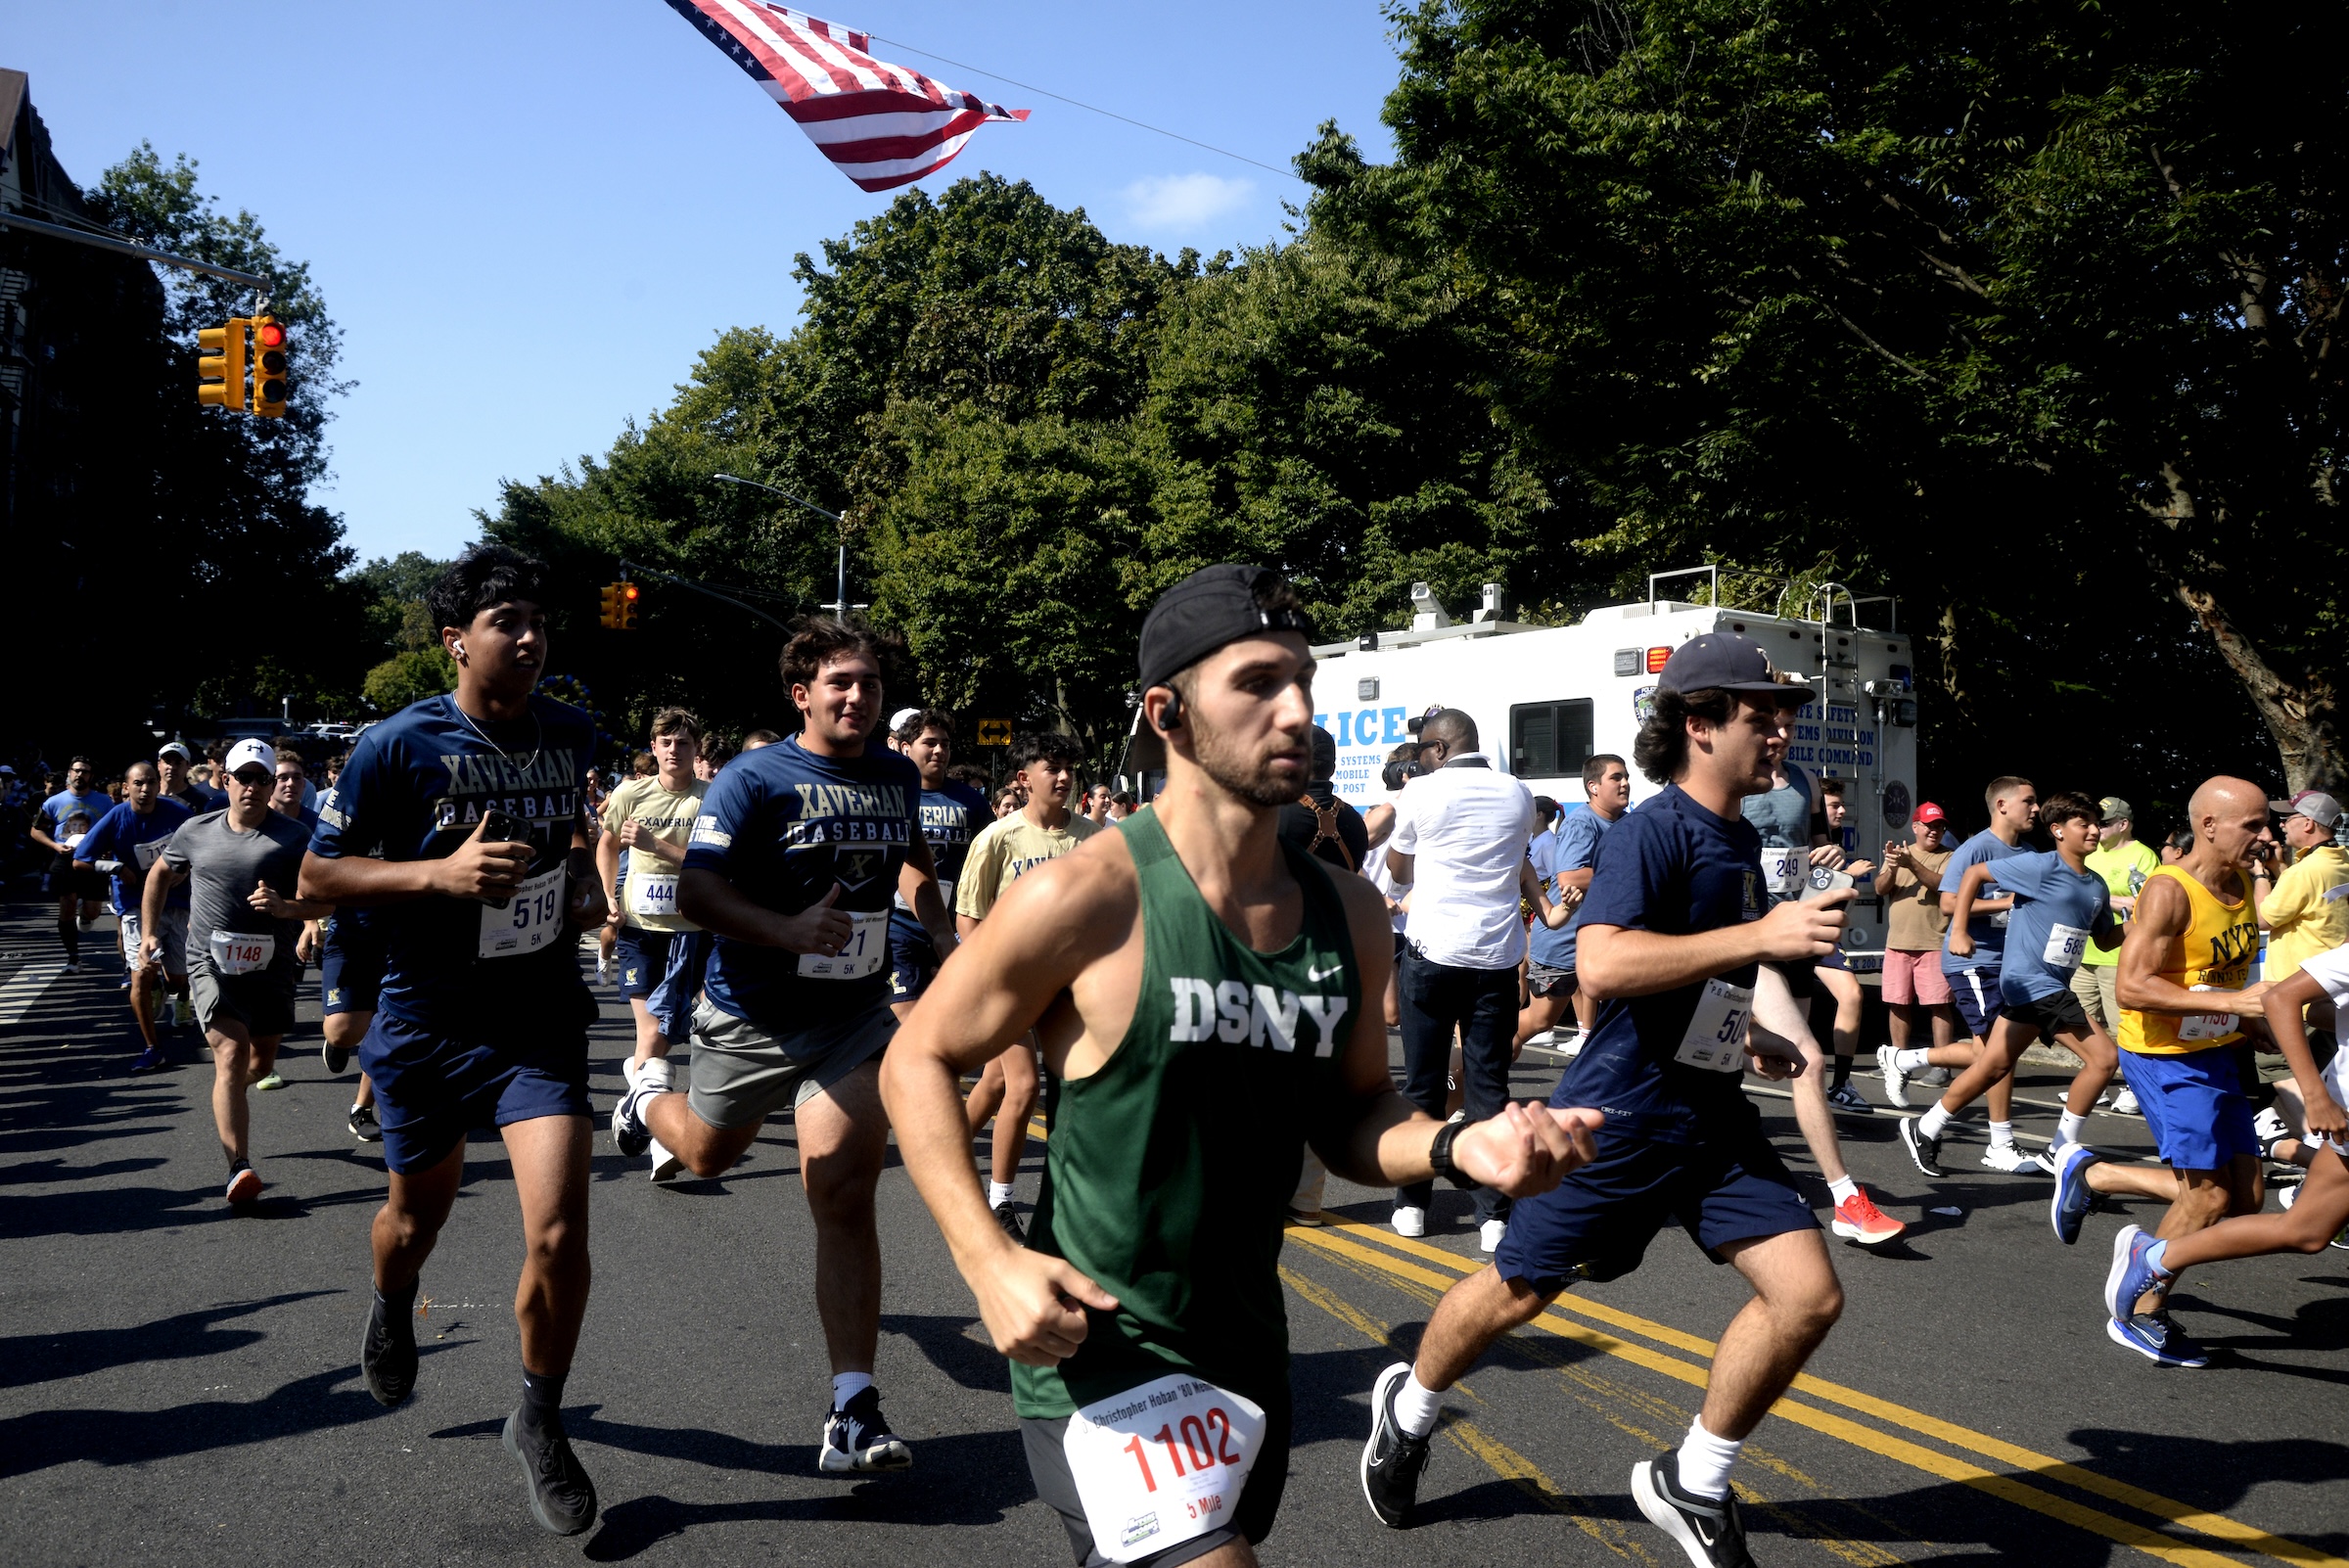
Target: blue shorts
x=643, y=958
x=1976, y=993
x=351, y=967
x=432, y=1089
x=1597, y=1222
x=912, y=960
x=2195, y=1105
x=671, y=1001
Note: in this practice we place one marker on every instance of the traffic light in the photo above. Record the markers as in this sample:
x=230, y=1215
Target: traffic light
x=627, y=607
x=268, y=367
x=220, y=364
x=607, y=614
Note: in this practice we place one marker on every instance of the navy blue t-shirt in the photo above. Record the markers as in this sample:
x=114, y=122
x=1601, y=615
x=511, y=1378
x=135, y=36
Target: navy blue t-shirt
x=1673, y=867
x=415, y=788
x=951, y=817
x=121, y=834
x=784, y=824
x=1989, y=931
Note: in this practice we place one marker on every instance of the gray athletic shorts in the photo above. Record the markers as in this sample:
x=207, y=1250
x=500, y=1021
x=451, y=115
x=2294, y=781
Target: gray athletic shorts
x=171, y=938
x=262, y=1002
x=741, y=1072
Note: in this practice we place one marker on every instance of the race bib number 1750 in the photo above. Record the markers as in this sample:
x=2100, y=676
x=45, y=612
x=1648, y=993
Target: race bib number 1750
x=1162, y=1463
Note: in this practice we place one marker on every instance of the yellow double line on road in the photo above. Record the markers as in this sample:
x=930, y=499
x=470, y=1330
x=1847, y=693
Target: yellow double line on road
x=1335, y=1241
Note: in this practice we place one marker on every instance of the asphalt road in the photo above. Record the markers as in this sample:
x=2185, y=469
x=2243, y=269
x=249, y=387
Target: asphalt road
x=179, y=1385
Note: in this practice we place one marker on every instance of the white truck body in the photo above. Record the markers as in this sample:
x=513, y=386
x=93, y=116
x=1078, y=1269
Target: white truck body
x=1546, y=698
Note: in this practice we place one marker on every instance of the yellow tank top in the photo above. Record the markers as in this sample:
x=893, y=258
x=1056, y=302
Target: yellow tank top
x=2215, y=950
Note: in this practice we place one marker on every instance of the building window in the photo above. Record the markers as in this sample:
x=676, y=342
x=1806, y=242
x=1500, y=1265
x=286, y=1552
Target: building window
x=1550, y=740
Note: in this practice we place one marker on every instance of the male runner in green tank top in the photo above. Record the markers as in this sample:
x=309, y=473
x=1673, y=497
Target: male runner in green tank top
x=1199, y=987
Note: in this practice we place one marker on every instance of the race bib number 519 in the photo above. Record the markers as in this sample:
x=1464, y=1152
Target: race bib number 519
x=1162, y=1463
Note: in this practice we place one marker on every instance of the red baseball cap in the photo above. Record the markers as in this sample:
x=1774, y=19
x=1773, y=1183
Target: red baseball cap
x=1929, y=813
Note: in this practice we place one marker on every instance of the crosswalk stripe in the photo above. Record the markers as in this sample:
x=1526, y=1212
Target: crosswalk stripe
x=19, y=994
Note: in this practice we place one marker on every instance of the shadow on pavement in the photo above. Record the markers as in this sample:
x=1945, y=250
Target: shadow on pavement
x=28, y=1359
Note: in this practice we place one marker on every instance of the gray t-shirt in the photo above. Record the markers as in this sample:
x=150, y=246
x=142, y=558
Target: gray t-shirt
x=1783, y=818
x=223, y=865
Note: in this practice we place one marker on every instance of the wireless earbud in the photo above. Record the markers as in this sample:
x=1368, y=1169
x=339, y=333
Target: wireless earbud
x=1169, y=717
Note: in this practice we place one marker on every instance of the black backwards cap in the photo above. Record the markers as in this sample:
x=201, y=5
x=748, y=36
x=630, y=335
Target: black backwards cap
x=1212, y=606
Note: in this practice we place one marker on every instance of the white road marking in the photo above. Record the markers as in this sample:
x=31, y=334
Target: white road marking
x=19, y=995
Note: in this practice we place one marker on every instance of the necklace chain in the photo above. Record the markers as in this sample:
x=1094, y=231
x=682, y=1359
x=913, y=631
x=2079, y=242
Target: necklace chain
x=538, y=732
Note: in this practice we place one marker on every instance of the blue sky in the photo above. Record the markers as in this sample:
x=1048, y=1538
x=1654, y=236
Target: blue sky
x=587, y=193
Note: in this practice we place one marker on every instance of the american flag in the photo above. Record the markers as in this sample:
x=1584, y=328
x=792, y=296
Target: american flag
x=884, y=125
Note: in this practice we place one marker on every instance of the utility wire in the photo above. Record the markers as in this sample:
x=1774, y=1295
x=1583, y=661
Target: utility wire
x=1093, y=109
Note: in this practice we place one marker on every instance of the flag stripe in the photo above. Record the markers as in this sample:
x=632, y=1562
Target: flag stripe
x=881, y=124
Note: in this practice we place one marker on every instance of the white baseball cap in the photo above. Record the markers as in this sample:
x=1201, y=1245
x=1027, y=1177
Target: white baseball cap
x=176, y=749
x=902, y=717
x=252, y=753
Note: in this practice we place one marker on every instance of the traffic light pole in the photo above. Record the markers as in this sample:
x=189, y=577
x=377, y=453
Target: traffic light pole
x=627, y=564
x=115, y=243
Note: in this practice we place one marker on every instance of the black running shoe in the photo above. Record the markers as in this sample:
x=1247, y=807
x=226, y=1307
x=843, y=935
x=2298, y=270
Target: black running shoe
x=562, y=1499
x=388, y=1354
x=1925, y=1151
x=857, y=1440
x=1009, y=1219
x=337, y=1057
x=363, y=1125
x=1392, y=1458
x=1710, y=1532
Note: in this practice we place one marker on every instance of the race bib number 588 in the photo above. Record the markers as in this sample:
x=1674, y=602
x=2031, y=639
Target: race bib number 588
x=1162, y=1463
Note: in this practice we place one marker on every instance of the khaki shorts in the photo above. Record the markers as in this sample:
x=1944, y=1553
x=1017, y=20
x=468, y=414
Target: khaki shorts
x=2097, y=986
x=170, y=939
x=741, y=1072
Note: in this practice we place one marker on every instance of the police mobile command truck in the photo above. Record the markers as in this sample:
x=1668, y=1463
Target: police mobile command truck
x=1546, y=698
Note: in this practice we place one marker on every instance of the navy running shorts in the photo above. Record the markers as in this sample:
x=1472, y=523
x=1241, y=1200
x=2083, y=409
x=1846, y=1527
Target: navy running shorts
x=912, y=961
x=1597, y=1222
x=432, y=1089
x=350, y=968
x=2195, y=1105
x=1975, y=991
x=642, y=958
x=2048, y=1014
x=671, y=1001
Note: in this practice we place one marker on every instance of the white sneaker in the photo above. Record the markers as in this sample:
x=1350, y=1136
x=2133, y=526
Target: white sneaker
x=1488, y=1234
x=602, y=971
x=2014, y=1160
x=2285, y=1197
x=1409, y=1222
x=1546, y=1040
x=665, y=1164
x=1570, y=1044
x=2124, y=1103
x=1896, y=1082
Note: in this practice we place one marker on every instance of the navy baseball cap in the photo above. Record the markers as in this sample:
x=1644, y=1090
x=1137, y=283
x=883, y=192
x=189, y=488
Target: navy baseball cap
x=1212, y=606
x=1726, y=662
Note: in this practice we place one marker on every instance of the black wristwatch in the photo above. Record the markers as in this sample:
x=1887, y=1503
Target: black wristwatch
x=1439, y=1153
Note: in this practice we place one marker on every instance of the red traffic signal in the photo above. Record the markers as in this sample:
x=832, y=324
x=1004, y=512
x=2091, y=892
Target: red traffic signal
x=269, y=367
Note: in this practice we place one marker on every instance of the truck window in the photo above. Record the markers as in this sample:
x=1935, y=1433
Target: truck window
x=1550, y=740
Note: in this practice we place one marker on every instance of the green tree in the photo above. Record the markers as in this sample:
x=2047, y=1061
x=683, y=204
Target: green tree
x=2024, y=307
x=410, y=676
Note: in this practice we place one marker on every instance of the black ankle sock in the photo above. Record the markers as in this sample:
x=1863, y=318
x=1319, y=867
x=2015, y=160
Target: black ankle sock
x=542, y=1399
x=1843, y=1073
x=396, y=1310
x=71, y=935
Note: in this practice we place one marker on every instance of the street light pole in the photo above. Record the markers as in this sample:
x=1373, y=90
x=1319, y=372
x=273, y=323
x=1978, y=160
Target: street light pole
x=840, y=608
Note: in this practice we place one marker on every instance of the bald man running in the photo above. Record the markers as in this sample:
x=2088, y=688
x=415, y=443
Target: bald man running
x=2183, y=986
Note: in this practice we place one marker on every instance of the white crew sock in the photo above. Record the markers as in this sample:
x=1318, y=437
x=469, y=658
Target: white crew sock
x=1936, y=1117
x=1909, y=1061
x=1416, y=1408
x=998, y=1193
x=846, y=1386
x=1705, y=1462
x=2001, y=1134
x=2068, y=1128
x=1844, y=1189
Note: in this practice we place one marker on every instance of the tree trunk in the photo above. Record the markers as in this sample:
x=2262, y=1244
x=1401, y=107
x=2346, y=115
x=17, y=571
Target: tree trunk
x=2299, y=716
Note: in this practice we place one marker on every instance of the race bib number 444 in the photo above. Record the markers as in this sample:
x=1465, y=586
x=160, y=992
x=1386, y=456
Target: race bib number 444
x=1162, y=1463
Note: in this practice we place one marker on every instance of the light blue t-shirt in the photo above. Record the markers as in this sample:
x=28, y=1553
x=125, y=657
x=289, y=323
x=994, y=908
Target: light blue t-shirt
x=1782, y=816
x=2056, y=910
x=1575, y=848
x=1990, y=939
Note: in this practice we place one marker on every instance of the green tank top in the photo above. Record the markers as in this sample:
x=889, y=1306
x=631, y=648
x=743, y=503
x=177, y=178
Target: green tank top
x=1168, y=1173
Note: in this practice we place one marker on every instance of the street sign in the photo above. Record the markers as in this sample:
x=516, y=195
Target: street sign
x=994, y=732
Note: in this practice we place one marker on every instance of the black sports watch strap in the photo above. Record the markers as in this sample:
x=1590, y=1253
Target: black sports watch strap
x=1439, y=1153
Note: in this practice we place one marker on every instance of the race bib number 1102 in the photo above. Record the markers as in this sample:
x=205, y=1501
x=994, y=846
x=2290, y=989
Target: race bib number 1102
x=1162, y=1463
